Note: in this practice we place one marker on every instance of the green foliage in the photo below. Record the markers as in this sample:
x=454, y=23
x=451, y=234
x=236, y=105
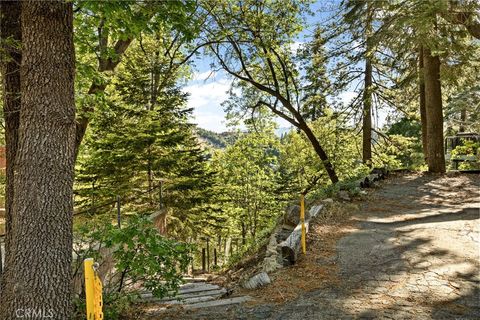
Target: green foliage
x=406, y=127
x=465, y=100
x=140, y=135
x=399, y=152
x=251, y=247
x=317, y=84
x=246, y=177
x=302, y=170
x=217, y=140
x=401, y=145
x=133, y=258
x=469, y=153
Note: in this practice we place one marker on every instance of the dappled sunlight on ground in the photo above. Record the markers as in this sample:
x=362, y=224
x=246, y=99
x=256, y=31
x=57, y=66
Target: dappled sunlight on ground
x=409, y=251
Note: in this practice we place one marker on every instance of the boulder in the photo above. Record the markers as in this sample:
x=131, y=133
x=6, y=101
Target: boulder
x=343, y=195
x=292, y=215
x=258, y=280
x=271, y=264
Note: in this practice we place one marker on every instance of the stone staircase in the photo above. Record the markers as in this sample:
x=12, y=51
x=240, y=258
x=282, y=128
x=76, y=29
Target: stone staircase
x=196, y=293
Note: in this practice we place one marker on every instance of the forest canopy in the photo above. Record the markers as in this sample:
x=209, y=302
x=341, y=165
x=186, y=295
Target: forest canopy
x=319, y=95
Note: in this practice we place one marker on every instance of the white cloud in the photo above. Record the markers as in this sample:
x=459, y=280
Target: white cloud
x=347, y=97
x=295, y=46
x=206, y=98
x=204, y=76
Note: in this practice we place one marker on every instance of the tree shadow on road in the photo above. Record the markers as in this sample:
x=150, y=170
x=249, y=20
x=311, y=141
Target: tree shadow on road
x=399, y=267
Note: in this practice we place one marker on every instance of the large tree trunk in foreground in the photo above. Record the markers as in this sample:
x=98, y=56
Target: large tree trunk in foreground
x=434, y=111
x=38, y=278
x=423, y=110
x=10, y=28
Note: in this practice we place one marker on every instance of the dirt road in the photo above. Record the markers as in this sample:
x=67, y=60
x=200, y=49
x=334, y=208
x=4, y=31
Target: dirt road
x=414, y=253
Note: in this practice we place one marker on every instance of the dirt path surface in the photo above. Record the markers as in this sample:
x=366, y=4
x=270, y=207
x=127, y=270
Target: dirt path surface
x=413, y=253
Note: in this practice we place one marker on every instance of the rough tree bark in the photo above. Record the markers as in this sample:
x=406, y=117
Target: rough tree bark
x=37, y=281
x=423, y=110
x=434, y=112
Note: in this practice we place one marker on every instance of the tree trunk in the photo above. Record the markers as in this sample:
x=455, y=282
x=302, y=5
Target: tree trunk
x=434, y=111
x=423, y=110
x=367, y=94
x=367, y=115
x=10, y=28
x=319, y=150
x=463, y=120
x=244, y=234
x=37, y=280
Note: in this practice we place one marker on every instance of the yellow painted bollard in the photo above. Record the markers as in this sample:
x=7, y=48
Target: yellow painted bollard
x=93, y=291
x=302, y=219
x=89, y=274
x=98, y=298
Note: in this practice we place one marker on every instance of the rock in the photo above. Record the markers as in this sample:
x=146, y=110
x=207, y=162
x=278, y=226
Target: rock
x=327, y=201
x=272, y=245
x=292, y=215
x=452, y=173
x=343, y=195
x=257, y=281
x=283, y=233
x=271, y=264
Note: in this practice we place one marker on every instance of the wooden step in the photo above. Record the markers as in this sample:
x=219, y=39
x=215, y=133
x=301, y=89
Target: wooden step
x=184, y=297
x=185, y=289
x=198, y=287
x=194, y=279
x=187, y=301
x=218, y=303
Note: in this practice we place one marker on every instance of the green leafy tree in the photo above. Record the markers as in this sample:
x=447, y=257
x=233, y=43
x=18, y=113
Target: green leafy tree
x=251, y=41
x=142, y=135
x=299, y=168
x=246, y=172
x=105, y=30
x=131, y=259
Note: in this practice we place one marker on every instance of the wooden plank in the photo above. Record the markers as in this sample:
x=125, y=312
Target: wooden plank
x=220, y=292
x=205, y=288
x=217, y=303
x=185, y=295
x=185, y=301
x=194, y=279
x=198, y=288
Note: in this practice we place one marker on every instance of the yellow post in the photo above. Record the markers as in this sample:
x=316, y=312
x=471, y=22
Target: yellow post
x=302, y=219
x=98, y=307
x=89, y=288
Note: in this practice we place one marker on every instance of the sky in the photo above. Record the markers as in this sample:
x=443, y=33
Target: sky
x=209, y=89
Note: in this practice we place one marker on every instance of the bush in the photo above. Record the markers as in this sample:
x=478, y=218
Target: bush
x=470, y=150
x=130, y=259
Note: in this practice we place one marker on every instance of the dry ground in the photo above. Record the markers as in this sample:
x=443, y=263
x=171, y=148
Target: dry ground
x=410, y=250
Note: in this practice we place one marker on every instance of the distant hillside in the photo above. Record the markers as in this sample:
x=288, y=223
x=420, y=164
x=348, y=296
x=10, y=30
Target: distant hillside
x=216, y=140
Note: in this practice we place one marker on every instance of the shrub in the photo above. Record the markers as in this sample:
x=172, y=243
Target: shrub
x=133, y=258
